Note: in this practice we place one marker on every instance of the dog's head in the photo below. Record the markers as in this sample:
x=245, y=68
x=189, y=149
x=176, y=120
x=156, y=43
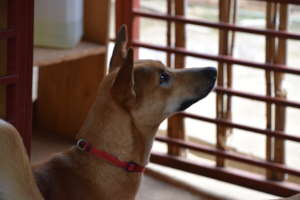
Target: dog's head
x=149, y=90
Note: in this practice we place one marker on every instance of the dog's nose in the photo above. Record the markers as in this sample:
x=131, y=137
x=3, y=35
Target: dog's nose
x=210, y=72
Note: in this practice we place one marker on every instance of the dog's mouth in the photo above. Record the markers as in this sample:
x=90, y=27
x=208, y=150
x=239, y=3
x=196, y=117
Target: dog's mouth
x=187, y=103
x=184, y=105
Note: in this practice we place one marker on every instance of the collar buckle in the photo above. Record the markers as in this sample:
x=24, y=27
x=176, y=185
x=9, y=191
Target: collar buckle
x=132, y=167
x=82, y=145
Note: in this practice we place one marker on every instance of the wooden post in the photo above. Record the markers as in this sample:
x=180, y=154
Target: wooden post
x=180, y=40
x=176, y=123
x=270, y=51
x=3, y=56
x=123, y=15
x=280, y=111
x=220, y=83
x=169, y=32
x=96, y=21
x=233, y=16
x=227, y=14
x=276, y=54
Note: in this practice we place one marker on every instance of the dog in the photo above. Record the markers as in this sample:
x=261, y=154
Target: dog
x=113, y=146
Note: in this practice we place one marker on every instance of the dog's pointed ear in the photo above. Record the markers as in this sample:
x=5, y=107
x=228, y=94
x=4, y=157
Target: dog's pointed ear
x=123, y=86
x=120, y=50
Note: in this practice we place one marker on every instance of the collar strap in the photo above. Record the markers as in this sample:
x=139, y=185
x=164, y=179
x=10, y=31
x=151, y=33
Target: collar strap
x=84, y=146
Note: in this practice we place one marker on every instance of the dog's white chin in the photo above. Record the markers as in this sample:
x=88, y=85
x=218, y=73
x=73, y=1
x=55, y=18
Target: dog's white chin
x=171, y=108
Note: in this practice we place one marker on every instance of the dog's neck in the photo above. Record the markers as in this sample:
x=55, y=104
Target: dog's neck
x=113, y=129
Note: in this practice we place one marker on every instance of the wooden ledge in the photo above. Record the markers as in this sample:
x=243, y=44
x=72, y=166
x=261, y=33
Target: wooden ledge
x=49, y=56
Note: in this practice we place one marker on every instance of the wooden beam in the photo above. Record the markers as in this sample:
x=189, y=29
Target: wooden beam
x=224, y=77
x=176, y=123
x=270, y=52
x=280, y=111
x=96, y=23
x=3, y=56
x=235, y=176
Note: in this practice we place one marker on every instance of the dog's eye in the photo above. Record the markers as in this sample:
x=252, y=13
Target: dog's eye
x=164, y=78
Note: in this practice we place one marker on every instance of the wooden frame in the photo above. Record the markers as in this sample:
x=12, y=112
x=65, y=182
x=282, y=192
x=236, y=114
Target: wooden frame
x=275, y=96
x=16, y=30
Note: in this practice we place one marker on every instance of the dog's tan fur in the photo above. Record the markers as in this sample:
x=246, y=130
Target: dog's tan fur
x=16, y=179
x=130, y=105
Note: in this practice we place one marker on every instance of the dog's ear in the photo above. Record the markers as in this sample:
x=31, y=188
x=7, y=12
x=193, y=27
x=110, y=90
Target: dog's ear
x=119, y=52
x=123, y=86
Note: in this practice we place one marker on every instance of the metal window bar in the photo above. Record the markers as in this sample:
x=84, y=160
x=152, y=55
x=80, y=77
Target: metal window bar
x=277, y=67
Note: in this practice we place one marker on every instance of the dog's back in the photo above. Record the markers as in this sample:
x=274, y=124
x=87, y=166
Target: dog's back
x=16, y=179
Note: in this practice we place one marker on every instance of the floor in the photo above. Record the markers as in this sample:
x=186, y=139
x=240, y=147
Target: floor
x=151, y=188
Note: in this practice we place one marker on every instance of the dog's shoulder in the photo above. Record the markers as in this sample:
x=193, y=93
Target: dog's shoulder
x=48, y=173
x=59, y=178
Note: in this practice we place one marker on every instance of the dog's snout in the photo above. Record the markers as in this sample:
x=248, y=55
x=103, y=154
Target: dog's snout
x=210, y=72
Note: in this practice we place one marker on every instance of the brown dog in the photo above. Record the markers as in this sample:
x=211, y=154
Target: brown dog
x=133, y=99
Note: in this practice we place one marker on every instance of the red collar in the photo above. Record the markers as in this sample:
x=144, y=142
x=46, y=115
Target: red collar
x=84, y=146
